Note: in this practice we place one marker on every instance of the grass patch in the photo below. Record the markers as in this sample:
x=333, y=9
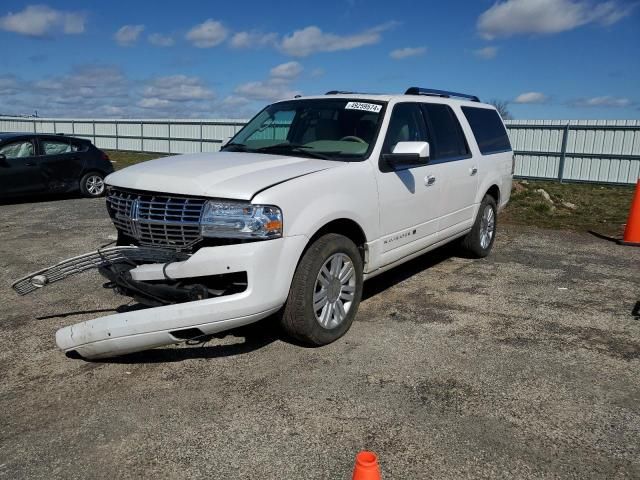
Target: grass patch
x=600, y=208
x=125, y=159
x=571, y=206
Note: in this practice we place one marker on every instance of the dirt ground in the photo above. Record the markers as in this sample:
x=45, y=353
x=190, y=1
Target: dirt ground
x=522, y=365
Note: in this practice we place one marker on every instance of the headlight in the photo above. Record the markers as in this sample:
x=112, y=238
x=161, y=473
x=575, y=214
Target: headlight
x=223, y=219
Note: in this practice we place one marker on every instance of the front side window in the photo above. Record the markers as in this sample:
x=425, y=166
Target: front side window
x=55, y=147
x=406, y=125
x=19, y=149
x=447, y=135
x=333, y=128
x=488, y=129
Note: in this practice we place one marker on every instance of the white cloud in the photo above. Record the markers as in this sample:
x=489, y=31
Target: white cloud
x=309, y=40
x=127, y=35
x=87, y=83
x=177, y=88
x=160, y=40
x=531, y=97
x=486, y=53
x=517, y=17
x=276, y=87
x=267, y=91
x=605, y=101
x=289, y=70
x=253, y=40
x=153, y=102
x=9, y=85
x=402, y=53
x=207, y=34
x=317, y=72
x=103, y=90
x=41, y=20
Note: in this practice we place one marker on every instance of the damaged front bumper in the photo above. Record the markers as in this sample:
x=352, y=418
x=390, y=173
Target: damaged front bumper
x=266, y=266
x=100, y=258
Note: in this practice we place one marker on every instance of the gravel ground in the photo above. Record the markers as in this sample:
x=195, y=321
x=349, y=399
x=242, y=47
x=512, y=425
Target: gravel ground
x=522, y=365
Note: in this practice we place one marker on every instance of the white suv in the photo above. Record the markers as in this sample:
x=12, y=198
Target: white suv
x=311, y=198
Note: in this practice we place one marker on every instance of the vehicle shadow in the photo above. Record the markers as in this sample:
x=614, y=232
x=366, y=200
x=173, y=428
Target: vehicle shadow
x=256, y=336
x=267, y=331
x=413, y=267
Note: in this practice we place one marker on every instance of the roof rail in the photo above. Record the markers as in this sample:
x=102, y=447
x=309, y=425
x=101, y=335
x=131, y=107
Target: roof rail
x=439, y=93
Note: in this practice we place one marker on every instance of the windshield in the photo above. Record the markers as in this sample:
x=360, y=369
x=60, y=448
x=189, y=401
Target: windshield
x=335, y=129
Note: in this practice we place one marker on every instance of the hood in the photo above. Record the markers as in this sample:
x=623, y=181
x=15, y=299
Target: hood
x=232, y=175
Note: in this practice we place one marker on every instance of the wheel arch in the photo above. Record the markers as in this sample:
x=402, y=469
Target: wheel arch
x=342, y=226
x=494, y=192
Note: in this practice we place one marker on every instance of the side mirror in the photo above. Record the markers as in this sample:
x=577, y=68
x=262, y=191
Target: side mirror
x=407, y=155
x=3, y=159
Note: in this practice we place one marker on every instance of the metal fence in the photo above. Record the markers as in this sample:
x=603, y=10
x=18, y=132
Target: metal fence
x=137, y=135
x=596, y=151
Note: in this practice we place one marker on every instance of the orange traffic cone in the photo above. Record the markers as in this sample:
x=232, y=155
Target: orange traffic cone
x=366, y=467
x=632, y=230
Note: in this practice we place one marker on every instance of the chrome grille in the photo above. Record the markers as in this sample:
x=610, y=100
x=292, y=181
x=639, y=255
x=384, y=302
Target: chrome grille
x=156, y=220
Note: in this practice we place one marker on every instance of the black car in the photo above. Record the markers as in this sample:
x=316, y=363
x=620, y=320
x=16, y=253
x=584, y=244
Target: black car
x=39, y=163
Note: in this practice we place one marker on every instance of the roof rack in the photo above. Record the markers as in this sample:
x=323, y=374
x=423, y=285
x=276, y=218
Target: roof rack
x=439, y=93
x=339, y=92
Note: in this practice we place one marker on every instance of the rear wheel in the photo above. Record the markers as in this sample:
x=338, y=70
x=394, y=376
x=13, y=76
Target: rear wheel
x=479, y=241
x=92, y=184
x=325, y=292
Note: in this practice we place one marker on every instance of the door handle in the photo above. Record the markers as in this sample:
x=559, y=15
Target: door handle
x=429, y=180
x=30, y=164
x=473, y=171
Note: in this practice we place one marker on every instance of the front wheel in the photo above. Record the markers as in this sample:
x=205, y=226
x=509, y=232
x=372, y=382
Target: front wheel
x=325, y=292
x=92, y=185
x=479, y=241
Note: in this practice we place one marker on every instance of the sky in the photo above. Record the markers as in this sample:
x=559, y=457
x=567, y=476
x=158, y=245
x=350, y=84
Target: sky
x=549, y=59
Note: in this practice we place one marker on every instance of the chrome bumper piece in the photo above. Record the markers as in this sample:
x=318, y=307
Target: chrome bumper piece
x=97, y=259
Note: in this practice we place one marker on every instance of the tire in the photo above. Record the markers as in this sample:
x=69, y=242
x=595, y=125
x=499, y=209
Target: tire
x=476, y=242
x=92, y=185
x=324, y=324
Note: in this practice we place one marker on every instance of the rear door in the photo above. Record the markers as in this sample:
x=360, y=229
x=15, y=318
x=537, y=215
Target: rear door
x=19, y=173
x=457, y=169
x=60, y=162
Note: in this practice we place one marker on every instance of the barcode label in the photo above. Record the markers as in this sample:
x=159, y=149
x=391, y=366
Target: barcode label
x=367, y=107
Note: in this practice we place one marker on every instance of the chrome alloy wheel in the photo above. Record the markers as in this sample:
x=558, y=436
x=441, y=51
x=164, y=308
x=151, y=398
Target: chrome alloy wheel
x=334, y=290
x=487, y=226
x=95, y=185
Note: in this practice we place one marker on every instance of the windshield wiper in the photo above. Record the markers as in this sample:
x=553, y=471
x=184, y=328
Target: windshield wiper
x=292, y=147
x=240, y=147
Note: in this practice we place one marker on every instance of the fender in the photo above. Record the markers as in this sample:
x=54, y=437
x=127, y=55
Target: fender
x=327, y=195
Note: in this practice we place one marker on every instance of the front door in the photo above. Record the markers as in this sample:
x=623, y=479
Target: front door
x=19, y=173
x=409, y=199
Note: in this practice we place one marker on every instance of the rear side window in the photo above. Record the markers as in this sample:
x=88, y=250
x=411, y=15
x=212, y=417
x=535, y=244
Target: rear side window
x=79, y=146
x=488, y=130
x=55, y=147
x=446, y=133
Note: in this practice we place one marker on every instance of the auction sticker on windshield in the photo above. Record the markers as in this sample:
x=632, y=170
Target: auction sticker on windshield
x=367, y=107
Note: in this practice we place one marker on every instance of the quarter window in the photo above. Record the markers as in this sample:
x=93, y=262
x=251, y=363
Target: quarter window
x=448, y=139
x=20, y=149
x=488, y=129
